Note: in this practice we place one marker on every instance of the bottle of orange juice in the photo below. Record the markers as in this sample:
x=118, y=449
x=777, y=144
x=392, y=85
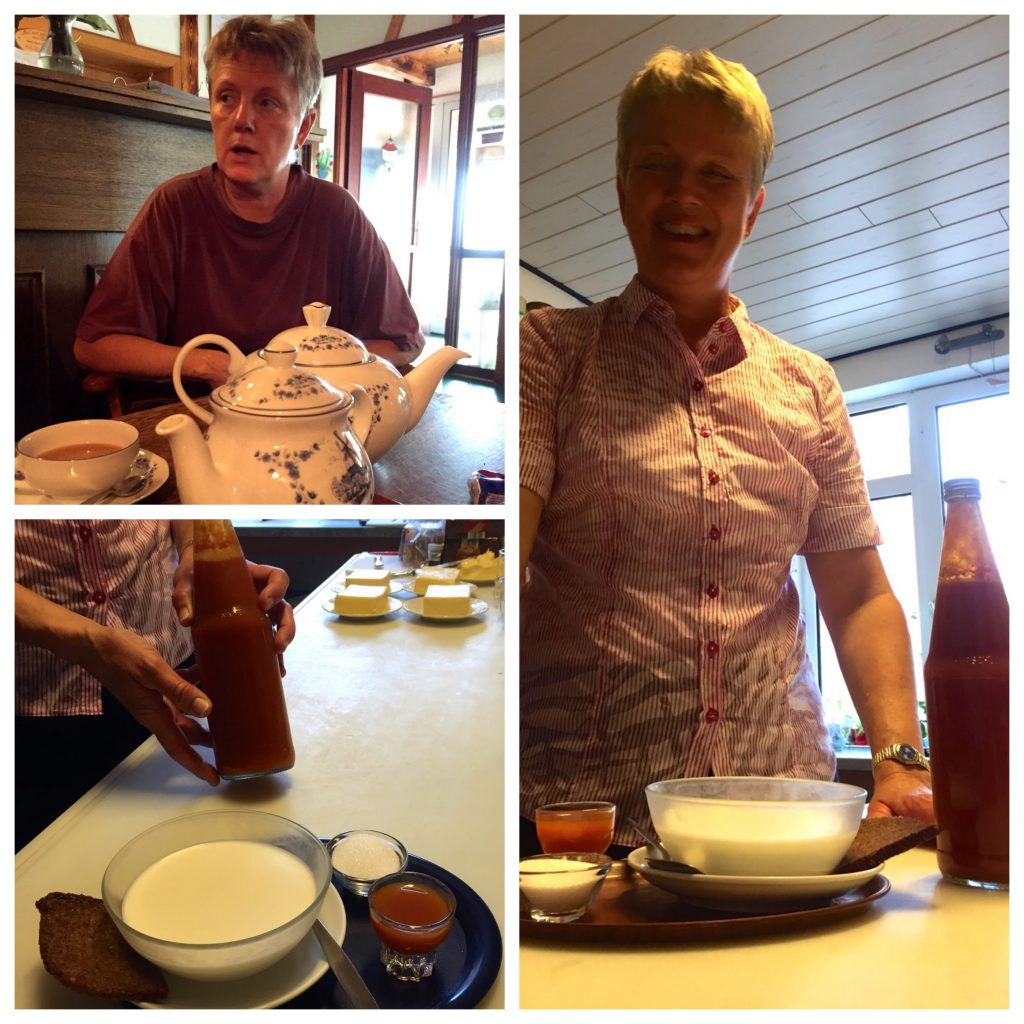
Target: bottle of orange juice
x=238, y=665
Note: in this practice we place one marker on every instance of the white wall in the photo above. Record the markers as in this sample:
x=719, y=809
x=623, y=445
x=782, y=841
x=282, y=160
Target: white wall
x=535, y=289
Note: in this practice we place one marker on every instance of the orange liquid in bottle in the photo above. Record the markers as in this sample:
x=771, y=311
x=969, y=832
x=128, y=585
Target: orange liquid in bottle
x=238, y=665
x=967, y=688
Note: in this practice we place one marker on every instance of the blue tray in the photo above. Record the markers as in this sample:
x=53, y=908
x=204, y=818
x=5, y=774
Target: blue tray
x=467, y=961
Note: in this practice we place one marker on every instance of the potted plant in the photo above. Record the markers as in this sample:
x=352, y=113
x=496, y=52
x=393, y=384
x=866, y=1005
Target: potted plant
x=59, y=51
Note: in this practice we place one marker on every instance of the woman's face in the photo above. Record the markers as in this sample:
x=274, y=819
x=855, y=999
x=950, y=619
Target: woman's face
x=687, y=197
x=254, y=111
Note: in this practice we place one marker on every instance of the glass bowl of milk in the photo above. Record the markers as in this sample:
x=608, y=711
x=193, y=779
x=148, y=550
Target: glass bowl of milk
x=217, y=895
x=559, y=887
x=754, y=826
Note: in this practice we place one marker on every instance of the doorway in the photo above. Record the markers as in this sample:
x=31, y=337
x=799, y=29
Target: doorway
x=429, y=177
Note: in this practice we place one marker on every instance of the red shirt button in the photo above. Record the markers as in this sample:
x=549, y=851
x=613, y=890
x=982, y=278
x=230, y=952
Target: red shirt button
x=698, y=385
x=712, y=648
x=704, y=432
x=99, y=597
x=713, y=477
x=714, y=533
x=711, y=715
x=712, y=590
x=85, y=532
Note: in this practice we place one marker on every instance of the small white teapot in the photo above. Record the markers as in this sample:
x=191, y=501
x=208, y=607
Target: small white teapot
x=343, y=361
x=275, y=435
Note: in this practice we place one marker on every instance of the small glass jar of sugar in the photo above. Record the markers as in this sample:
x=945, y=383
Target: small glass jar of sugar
x=559, y=888
x=360, y=856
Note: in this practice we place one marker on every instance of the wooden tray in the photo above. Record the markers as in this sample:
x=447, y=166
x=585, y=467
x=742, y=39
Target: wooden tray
x=629, y=909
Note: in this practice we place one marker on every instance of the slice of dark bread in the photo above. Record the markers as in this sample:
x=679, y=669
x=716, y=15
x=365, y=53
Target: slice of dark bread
x=878, y=839
x=82, y=948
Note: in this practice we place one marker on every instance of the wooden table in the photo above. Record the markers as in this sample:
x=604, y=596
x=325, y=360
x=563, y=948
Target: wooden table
x=398, y=725
x=460, y=432
x=925, y=944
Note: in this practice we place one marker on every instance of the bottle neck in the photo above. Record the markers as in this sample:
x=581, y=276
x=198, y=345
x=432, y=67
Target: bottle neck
x=966, y=552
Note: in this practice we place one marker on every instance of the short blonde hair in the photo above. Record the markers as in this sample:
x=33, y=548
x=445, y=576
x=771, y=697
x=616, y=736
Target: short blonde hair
x=699, y=74
x=289, y=44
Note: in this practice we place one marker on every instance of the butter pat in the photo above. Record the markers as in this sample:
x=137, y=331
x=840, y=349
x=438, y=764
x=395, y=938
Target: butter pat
x=369, y=577
x=452, y=599
x=362, y=600
x=435, y=577
x=483, y=567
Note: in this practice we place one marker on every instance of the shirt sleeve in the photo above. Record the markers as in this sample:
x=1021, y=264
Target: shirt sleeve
x=136, y=292
x=541, y=376
x=842, y=517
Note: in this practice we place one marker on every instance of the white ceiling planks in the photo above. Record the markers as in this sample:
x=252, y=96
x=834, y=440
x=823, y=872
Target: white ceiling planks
x=886, y=214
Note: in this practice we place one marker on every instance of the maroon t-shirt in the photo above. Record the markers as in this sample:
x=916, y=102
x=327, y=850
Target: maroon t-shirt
x=188, y=265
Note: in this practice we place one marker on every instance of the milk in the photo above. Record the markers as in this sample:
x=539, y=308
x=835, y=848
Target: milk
x=218, y=892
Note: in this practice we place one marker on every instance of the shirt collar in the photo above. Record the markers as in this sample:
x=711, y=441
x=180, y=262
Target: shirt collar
x=638, y=300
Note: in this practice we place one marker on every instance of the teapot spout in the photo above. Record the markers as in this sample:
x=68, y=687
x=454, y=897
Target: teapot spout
x=193, y=467
x=423, y=379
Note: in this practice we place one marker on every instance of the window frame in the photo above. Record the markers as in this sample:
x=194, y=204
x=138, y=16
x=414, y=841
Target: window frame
x=924, y=486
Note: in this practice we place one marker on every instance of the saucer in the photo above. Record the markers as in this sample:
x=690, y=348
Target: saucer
x=275, y=985
x=157, y=472
x=415, y=605
x=393, y=605
x=750, y=893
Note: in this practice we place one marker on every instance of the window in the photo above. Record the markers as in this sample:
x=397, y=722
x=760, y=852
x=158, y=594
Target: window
x=908, y=444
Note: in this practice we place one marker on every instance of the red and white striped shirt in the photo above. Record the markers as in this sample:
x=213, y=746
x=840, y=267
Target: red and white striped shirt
x=115, y=572
x=661, y=633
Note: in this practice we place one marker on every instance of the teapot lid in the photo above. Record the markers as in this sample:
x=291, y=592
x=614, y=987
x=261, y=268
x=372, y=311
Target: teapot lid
x=321, y=345
x=277, y=387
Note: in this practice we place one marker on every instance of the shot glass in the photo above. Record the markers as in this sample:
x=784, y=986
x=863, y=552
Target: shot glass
x=559, y=888
x=412, y=914
x=579, y=826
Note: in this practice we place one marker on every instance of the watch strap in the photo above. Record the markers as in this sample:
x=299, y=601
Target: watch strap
x=902, y=753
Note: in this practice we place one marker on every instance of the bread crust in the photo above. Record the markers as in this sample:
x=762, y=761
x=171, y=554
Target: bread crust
x=878, y=839
x=82, y=948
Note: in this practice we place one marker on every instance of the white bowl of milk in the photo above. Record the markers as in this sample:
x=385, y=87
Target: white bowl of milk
x=217, y=895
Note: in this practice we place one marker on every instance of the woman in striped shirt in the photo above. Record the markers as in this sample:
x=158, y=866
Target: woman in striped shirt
x=674, y=457
x=101, y=610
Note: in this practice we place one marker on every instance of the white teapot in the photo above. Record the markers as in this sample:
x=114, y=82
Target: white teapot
x=343, y=361
x=275, y=435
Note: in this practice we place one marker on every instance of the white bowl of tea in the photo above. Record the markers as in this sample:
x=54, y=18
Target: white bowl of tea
x=78, y=458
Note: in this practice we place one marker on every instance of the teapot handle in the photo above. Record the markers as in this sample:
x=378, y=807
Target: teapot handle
x=361, y=416
x=235, y=367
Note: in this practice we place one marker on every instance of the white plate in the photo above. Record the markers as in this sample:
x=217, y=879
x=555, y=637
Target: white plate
x=393, y=605
x=415, y=605
x=288, y=978
x=748, y=893
x=157, y=472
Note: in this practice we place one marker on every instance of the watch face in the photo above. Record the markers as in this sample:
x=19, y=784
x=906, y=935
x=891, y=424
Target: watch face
x=906, y=752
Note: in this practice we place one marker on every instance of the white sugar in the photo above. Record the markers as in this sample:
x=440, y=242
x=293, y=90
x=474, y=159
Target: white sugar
x=365, y=857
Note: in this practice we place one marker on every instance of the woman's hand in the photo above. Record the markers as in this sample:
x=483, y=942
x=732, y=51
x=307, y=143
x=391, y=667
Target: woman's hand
x=155, y=695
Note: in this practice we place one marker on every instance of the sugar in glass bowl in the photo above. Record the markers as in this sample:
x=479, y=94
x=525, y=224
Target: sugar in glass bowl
x=217, y=895
x=756, y=826
x=360, y=856
x=559, y=887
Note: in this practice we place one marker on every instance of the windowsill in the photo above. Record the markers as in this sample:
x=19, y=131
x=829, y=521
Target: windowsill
x=854, y=759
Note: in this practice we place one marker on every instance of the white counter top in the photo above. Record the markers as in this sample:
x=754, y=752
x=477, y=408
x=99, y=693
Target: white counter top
x=925, y=944
x=398, y=725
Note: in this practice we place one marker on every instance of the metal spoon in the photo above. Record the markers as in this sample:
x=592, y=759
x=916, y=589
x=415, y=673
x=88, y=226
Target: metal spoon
x=657, y=852
x=125, y=488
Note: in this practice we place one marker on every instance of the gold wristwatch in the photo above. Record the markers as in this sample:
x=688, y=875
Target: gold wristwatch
x=903, y=753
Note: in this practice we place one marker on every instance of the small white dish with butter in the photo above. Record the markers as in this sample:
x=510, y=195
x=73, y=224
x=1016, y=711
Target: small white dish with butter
x=361, y=601
x=448, y=601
